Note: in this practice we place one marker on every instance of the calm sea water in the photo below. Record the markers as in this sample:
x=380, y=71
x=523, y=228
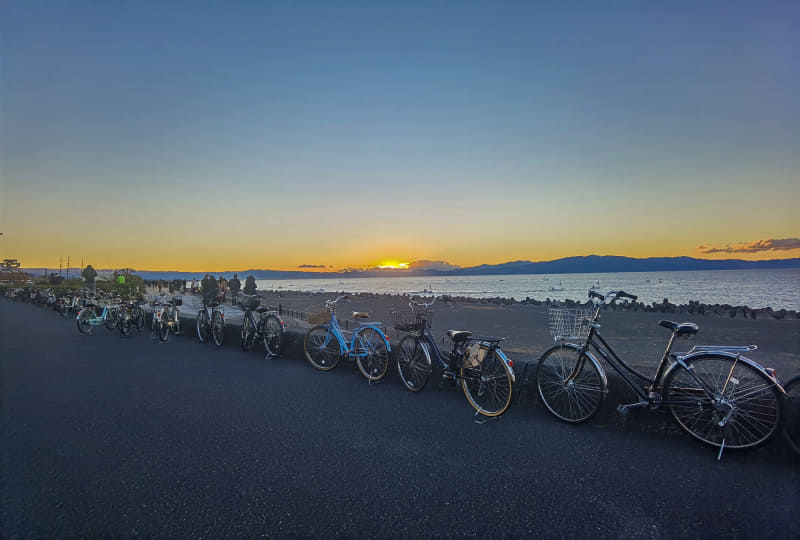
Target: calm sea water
x=778, y=289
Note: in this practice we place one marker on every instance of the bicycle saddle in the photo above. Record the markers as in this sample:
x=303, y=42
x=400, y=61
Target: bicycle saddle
x=212, y=304
x=681, y=329
x=459, y=335
x=261, y=309
x=360, y=315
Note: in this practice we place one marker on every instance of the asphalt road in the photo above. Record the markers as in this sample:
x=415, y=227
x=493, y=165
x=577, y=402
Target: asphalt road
x=105, y=435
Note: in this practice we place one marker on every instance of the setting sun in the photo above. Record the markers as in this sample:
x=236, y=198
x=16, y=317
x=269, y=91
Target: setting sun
x=393, y=264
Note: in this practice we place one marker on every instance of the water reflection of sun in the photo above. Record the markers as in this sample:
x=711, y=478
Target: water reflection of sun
x=393, y=264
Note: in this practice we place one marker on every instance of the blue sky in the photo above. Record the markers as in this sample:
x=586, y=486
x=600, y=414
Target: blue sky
x=350, y=133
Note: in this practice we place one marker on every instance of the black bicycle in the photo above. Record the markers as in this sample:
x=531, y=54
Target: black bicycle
x=485, y=373
x=211, y=320
x=268, y=328
x=169, y=318
x=715, y=394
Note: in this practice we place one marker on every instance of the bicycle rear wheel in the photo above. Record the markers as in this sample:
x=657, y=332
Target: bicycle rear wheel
x=217, y=328
x=570, y=384
x=372, y=354
x=248, y=333
x=163, y=326
x=791, y=416
x=321, y=348
x=413, y=363
x=202, y=325
x=743, y=399
x=273, y=335
x=488, y=385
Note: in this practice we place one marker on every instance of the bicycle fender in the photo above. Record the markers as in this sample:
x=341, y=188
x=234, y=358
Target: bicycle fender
x=507, y=362
x=681, y=361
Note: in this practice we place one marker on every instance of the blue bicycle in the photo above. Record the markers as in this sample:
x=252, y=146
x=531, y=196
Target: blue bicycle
x=325, y=343
x=87, y=317
x=485, y=373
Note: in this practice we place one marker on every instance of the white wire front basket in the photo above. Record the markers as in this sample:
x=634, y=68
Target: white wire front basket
x=570, y=324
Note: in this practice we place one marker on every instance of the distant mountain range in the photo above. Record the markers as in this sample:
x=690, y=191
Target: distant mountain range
x=571, y=265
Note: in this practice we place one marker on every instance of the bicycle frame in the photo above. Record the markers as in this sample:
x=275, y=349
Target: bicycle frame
x=97, y=321
x=349, y=349
x=669, y=361
x=425, y=336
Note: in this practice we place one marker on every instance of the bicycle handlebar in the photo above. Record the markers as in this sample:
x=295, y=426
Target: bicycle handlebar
x=612, y=295
x=332, y=303
x=412, y=303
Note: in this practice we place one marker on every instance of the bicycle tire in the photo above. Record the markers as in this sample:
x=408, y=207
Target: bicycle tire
x=248, y=332
x=273, y=335
x=82, y=320
x=321, y=348
x=111, y=318
x=413, y=363
x=791, y=416
x=202, y=325
x=218, y=328
x=372, y=353
x=163, y=327
x=488, y=385
x=140, y=319
x=571, y=397
x=749, y=401
x=124, y=323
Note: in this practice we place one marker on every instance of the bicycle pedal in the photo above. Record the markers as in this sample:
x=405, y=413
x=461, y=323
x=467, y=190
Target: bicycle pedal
x=625, y=409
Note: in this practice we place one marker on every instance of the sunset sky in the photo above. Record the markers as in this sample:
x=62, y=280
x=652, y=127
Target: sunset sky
x=178, y=135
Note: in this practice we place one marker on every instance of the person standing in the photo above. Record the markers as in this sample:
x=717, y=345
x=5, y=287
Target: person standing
x=89, y=274
x=250, y=285
x=223, y=288
x=209, y=289
x=234, y=285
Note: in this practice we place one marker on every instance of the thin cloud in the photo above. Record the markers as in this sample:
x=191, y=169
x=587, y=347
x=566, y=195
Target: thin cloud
x=314, y=266
x=770, y=244
x=432, y=265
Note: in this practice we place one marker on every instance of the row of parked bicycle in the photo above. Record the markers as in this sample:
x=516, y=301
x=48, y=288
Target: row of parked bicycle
x=714, y=393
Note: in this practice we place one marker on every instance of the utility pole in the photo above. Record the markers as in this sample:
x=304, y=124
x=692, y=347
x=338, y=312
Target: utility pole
x=67, y=266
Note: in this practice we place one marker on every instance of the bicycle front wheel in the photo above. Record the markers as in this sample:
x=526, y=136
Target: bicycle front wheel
x=111, y=318
x=739, y=405
x=321, y=348
x=569, y=383
x=218, y=328
x=273, y=335
x=413, y=363
x=372, y=354
x=84, y=326
x=202, y=325
x=791, y=416
x=248, y=333
x=163, y=326
x=140, y=319
x=124, y=323
x=488, y=385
